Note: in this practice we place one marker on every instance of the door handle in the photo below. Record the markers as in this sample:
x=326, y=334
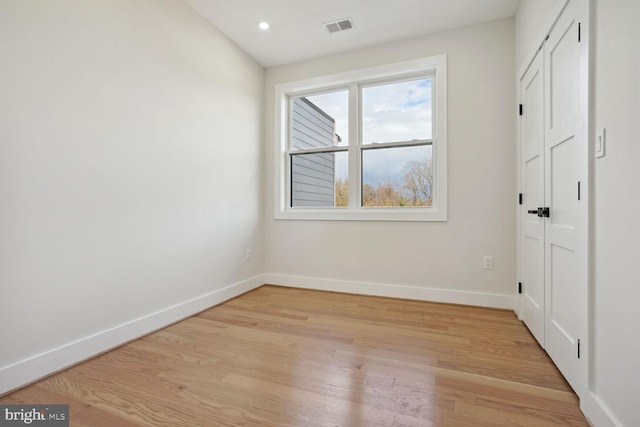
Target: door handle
x=541, y=212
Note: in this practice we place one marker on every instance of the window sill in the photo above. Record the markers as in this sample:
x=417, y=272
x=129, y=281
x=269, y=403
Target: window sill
x=368, y=214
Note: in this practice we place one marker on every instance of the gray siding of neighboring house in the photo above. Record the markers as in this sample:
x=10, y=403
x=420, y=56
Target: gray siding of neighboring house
x=312, y=175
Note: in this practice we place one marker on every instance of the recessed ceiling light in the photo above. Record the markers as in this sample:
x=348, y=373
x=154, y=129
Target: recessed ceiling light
x=263, y=25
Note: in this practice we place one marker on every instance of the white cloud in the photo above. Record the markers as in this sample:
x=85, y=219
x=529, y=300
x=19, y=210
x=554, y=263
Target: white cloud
x=397, y=112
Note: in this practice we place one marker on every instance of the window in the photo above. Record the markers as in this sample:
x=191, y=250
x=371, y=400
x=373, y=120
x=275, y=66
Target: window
x=364, y=145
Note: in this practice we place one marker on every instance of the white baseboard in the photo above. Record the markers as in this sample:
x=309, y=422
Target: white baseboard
x=34, y=368
x=597, y=412
x=395, y=291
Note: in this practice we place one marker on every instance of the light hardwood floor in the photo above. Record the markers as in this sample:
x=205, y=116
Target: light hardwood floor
x=282, y=356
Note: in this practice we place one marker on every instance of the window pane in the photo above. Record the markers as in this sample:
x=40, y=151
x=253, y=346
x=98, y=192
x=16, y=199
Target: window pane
x=396, y=112
x=320, y=121
x=319, y=180
x=397, y=176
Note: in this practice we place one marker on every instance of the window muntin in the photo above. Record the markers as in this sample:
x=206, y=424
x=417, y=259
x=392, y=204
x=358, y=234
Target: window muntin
x=396, y=122
x=405, y=139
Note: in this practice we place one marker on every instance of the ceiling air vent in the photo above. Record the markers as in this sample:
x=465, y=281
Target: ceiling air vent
x=339, y=25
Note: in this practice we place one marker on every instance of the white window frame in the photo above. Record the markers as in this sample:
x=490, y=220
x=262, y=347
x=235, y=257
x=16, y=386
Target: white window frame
x=435, y=67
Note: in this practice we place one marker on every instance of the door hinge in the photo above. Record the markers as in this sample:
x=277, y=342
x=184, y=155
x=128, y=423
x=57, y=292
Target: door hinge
x=578, y=349
x=579, y=31
x=520, y=109
x=578, y=190
x=519, y=287
x=520, y=198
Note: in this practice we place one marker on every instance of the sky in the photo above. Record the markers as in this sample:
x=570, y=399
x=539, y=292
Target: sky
x=390, y=113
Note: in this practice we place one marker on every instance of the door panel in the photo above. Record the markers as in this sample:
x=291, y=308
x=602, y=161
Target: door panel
x=563, y=185
x=565, y=139
x=532, y=167
x=563, y=66
x=562, y=279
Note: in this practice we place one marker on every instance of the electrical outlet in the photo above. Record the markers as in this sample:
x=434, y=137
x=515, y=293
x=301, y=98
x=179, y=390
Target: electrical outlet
x=247, y=255
x=488, y=263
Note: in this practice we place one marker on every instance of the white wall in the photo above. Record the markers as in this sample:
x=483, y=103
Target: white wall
x=616, y=357
x=614, y=378
x=130, y=174
x=482, y=191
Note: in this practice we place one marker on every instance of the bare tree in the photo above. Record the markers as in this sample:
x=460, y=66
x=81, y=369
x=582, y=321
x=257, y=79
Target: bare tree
x=385, y=194
x=342, y=193
x=416, y=191
x=369, y=195
x=418, y=179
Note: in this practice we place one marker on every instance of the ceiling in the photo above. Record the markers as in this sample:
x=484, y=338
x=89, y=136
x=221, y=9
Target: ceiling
x=297, y=31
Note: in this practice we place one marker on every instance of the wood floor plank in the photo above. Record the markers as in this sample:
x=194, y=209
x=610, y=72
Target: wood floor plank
x=279, y=356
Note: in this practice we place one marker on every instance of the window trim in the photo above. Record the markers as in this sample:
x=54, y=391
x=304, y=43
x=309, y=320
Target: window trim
x=435, y=66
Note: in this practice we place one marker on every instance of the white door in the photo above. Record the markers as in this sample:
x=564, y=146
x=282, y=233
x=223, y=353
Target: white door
x=565, y=153
x=532, y=170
